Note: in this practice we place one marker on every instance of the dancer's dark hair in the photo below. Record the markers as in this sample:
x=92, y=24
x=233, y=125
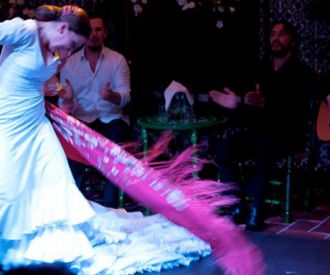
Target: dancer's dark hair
x=75, y=16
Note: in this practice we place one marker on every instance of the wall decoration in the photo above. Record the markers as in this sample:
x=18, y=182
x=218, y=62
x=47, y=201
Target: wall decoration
x=312, y=20
x=221, y=8
x=138, y=6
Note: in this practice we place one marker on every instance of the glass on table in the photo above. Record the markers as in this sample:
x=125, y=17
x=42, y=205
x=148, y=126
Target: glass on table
x=189, y=115
x=162, y=114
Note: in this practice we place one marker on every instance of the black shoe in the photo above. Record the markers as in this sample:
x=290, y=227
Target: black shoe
x=256, y=220
x=238, y=215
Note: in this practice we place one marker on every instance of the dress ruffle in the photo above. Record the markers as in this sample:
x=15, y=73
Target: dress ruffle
x=112, y=242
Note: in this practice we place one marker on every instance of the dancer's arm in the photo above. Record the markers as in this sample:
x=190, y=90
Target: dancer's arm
x=15, y=32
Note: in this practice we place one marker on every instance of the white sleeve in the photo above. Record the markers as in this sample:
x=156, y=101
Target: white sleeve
x=14, y=32
x=123, y=82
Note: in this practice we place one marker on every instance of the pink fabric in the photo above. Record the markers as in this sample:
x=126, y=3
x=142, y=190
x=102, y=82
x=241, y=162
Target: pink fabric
x=170, y=190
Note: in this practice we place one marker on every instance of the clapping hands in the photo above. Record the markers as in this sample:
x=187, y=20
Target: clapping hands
x=227, y=98
x=53, y=87
x=107, y=93
x=67, y=91
x=254, y=98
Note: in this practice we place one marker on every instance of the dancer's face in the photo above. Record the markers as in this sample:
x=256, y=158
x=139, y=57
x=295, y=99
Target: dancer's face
x=63, y=41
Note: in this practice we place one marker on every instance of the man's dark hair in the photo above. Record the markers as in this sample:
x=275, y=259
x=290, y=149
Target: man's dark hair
x=99, y=14
x=289, y=28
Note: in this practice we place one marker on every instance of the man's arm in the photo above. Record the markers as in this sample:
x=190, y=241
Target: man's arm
x=229, y=99
x=119, y=91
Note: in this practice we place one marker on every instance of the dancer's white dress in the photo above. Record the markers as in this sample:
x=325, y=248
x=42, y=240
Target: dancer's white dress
x=43, y=216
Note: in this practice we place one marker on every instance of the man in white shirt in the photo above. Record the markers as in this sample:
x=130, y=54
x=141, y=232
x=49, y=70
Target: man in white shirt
x=99, y=80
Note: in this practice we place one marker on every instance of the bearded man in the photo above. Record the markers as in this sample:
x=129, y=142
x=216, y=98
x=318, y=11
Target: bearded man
x=274, y=117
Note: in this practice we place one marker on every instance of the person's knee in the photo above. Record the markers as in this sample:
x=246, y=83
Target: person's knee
x=118, y=131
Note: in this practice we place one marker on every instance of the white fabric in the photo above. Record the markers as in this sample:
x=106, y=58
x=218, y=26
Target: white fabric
x=43, y=216
x=174, y=88
x=89, y=106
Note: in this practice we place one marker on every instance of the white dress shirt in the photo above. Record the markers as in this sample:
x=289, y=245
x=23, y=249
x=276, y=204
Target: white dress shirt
x=88, y=105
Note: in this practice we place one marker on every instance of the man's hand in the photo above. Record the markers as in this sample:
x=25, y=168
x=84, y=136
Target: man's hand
x=66, y=92
x=107, y=93
x=227, y=98
x=52, y=86
x=255, y=98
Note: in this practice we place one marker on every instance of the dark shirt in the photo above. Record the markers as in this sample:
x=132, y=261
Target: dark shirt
x=285, y=118
x=288, y=96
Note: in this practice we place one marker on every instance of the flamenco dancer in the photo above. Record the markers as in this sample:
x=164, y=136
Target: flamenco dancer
x=43, y=216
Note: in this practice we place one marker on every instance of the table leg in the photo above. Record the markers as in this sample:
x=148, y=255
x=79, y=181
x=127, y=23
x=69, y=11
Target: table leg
x=121, y=199
x=144, y=136
x=193, y=139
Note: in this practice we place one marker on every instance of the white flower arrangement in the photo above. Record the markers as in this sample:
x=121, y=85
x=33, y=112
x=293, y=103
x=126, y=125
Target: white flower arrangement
x=138, y=6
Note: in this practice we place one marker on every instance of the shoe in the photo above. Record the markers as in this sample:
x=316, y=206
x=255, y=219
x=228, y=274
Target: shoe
x=255, y=221
x=238, y=215
x=235, y=214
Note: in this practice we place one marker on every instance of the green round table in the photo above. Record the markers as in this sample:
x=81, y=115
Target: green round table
x=155, y=123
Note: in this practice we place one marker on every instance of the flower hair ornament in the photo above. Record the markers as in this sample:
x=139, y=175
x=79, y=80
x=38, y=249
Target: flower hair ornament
x=68, y=9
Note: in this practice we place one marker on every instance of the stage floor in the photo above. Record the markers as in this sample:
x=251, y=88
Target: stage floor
x=285, y=255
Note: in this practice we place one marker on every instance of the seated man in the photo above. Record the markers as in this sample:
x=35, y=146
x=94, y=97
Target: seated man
x=99, y=80
x=276, y=121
